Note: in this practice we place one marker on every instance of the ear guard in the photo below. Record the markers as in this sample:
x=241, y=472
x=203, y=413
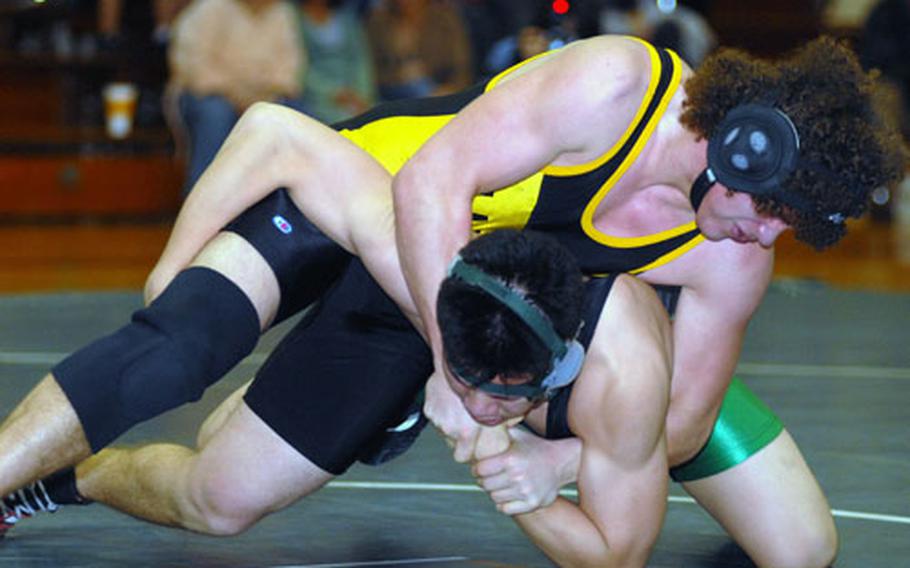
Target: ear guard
x=754, y=150
x=567, y=357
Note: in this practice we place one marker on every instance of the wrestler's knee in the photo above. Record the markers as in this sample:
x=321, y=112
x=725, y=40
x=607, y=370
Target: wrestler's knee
x=265, y=118
x=812, y=545
x=196, y=331
x=222, y=508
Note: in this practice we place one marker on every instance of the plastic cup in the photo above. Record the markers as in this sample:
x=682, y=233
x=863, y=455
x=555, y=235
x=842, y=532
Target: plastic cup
x=120, y=108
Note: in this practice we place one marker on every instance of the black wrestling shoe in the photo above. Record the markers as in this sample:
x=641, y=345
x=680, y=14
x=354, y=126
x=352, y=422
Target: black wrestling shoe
x=395, y=441
x=23, y=504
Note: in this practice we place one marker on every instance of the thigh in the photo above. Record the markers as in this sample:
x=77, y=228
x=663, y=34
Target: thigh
x=348, y=371
x=220, y=415
x=277, y=257
x=304, y=261
x=771, y=504
x=248, y=470
x=240, y=262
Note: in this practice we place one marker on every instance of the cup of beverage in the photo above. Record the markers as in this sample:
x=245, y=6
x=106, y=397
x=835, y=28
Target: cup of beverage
x=119, y=108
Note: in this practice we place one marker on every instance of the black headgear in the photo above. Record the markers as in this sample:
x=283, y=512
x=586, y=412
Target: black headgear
x=754, y=150
x=566, y=358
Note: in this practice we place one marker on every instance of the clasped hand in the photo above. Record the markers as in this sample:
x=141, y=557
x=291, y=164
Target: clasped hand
x=524, y=477
x=516, y=468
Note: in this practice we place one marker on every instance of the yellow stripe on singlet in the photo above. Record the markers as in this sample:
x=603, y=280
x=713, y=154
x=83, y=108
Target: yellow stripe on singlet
x=587, y=218
x=498, y=77
x=673, y=254
x=578, y=169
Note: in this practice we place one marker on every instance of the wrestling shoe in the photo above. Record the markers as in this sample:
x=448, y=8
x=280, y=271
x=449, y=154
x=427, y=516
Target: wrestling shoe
x=394, y=441
x=24, y=503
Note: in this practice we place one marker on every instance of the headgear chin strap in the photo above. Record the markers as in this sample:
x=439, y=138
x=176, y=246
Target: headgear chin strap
x=567, y=357
x=754, y=150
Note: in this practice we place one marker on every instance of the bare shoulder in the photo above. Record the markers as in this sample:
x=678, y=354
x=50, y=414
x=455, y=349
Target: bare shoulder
x=632, y=335
x=633, y=303
x=724, y=281
x=627, y=370
x=606, y=68
x=582, y=97
x=589, y=73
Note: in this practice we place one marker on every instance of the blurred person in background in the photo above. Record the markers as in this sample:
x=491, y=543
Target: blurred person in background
x=224, y=56
x=111, y=16
x=547, y=27
x=339, y=81
x=666, y=23
x=420, y=48
x=489, y=22
x=885, y=45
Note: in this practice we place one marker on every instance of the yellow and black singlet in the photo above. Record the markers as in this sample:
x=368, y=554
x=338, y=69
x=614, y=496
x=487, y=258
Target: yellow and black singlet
x=559, y=200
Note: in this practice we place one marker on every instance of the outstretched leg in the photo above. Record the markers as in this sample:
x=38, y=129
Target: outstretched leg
x=46, y=432
x=27, y=456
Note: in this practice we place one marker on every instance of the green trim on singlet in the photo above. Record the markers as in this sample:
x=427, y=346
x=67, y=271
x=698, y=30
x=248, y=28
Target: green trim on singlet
x=744, y=426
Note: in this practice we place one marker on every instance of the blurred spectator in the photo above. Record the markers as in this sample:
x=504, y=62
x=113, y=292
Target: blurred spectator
x=488, y=22
x=136, y=33
x=226, y=55
x=885, y=45
x=339, y=81
x=420, y=48
x=546, y=29
x=111, y=18
x=665, y=23
x=623, y=17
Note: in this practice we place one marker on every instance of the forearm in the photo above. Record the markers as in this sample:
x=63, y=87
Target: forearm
x=429, y=230
x=688, y=429
x=569, y=538
x=700, y=380
x=566, y=456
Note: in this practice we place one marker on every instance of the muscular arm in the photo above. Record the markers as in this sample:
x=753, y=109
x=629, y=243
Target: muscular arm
x=551, y=111
x=504, y=136
x=618, y=410
x=707, y=334
x=711, y=320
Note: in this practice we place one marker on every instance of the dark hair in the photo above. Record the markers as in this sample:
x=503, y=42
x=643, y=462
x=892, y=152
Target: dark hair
x=485, y=338
x=828, y=96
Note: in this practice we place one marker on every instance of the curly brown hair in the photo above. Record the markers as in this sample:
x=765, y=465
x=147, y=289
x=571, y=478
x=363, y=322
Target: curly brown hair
x=828, y=96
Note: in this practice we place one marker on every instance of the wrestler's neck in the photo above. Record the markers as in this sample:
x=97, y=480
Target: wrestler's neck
x=664, y=171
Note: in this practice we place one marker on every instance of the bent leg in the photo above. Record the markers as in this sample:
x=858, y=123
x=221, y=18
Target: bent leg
x=86, y=401
x=251, y=460
x=772, y=505
x=752, y=479
x=244, y=472
x=33, y=445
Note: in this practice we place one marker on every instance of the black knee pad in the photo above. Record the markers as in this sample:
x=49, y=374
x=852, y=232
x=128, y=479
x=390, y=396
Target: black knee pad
x=189, y=337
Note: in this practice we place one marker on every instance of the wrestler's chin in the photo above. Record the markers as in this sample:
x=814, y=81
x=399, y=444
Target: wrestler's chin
x=714, y=234
x=488, y=420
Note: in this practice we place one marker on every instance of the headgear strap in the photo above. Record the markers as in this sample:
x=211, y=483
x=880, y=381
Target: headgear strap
x=755, y=149
x=566, y=357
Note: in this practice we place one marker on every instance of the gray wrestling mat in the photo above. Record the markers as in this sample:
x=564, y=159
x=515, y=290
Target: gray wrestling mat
x=835, y=366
